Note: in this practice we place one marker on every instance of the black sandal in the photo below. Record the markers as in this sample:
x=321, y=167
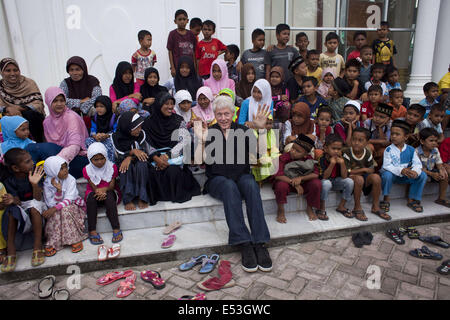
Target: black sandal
x=383, y=215
x=413, y=233
x=395, y=236
x=322, y=215
x=415, y=206
x=346, y=213
x=386, y=206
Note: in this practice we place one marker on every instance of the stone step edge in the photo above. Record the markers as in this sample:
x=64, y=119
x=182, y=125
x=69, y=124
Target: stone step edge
x=185, y=254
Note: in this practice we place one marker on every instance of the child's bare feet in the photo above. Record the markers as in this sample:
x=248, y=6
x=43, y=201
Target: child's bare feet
x=130, y=206
x=311, y=214
x=281, y=217
x=300, y=190
x=142, y=204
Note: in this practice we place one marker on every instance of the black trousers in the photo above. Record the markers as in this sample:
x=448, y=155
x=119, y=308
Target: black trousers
x=111, y=210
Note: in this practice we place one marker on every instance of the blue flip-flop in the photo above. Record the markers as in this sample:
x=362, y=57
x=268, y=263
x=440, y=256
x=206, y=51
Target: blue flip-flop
x=208, y=265
x=116, y=235
x=192, y=263
x=425, y=253
x=436, y=240
x=97, y=237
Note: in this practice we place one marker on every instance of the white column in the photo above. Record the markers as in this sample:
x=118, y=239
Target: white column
x=441, y=59
x=422, y=65
x=254, y=11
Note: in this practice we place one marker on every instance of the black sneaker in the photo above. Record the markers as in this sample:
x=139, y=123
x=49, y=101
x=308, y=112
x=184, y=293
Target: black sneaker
x=263, y=258
x=249, y=262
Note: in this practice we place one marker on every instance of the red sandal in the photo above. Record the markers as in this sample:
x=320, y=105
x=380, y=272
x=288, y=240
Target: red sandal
x=126, y=287
x=154, y=278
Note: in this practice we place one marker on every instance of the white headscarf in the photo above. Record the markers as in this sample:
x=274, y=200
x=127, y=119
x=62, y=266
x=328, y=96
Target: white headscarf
x=52, y=166
x=180, y=96
x=264, y=86
x=96, y=175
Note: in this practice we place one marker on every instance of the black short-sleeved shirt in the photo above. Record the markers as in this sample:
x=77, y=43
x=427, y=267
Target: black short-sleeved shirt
x=19, y=188
x=295, y=90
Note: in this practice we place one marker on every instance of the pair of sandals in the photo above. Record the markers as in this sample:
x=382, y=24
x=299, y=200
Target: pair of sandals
x=104, y=253
x=444, y=269
x=413, y=205
x=397, y=235
x=97, y=240
x=126, y=286
x=76, y=248
x=208, y=263
x=46, y=289
x=358, y=214
x=425, y=253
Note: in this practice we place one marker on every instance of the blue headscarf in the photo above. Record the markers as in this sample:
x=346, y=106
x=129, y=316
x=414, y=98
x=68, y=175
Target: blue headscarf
x=9, y=127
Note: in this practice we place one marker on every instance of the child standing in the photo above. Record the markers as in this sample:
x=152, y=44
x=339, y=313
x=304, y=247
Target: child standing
x=101, y=175
x=186, y=78
x=327, y=80
x=375, y=94
x=366, y=64
x=181, y=42
x=296, y=174
x=257, y=56
x=359, y=40
x=103, y=125
x=433, y=166
x=360, y=163
x=383, y=47
x=431, y=92
x=22, y=220
x=144, y=58
x=196, y=26
x=350, y=121
x=231, y=55
x=302, y=43
x=314, y=70
x=219, y=79
x=66, y=213
x=299, y=69
x=330, y=58
x=402, y=165
x=280, y=95
x=333, y=172
x=132, y=155
x=282, y=55
x=208, y=49
x=434, y=120
x=396, y=99
x=311, y=97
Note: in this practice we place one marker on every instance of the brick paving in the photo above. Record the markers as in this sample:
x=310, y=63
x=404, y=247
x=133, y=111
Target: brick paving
x=320, y=270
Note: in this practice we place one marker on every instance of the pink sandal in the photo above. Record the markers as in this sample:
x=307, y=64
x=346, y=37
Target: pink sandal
x=169, y=242
x=113, y=277
x=154, y=278
x=127, y=287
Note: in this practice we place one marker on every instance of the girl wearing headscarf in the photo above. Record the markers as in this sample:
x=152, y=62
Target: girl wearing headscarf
x=300, y=123
x=81, y=89
x=124, y=87
x=103, y=125
x=261, y=96
x=65, y=132
x=151, y=88
x=248, y=79
x=170, y=180
x=328, y=77
x=280, y=95
x=66, y=213
x=204, y=111
x=183, y=106
x=101, y=190
x=15, y=134
x=132, y=154
x=20, y=96
x=186, y=77
x=219, y=78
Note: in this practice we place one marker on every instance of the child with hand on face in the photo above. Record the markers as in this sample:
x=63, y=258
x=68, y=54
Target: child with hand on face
x=102, y=189
x=414, y=117
x=432, y=163
x=296, y=174
x=66, y=214
x=350, y=121
x=333, y=172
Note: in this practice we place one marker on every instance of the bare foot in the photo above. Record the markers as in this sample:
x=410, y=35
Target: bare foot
x=130, y=207
x=281, y=218
x=142, y=204
x=300, y=190
x=311, y=214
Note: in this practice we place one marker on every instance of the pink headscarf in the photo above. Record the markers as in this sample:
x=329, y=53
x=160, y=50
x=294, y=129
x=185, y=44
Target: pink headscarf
x=224, y=83
x=64, y=129
x=208, y=114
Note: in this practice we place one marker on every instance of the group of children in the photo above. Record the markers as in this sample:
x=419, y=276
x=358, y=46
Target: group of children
x=343, y=126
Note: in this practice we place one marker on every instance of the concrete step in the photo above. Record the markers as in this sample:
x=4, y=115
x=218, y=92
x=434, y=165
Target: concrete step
x=142, y=246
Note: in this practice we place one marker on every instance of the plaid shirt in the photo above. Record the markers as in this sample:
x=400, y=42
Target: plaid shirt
x=430, y=162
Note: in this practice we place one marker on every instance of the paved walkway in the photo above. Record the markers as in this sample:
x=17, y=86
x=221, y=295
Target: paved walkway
x=329, y=269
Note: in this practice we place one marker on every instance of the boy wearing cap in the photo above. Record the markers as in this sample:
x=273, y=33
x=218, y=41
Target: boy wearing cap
x=402, y=165
x=380, y=130
x=349, y=122
x=299, y=69
x=296, y=174
x=361, y=168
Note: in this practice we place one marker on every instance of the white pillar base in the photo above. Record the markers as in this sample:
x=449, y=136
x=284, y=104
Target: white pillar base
x=414, y=89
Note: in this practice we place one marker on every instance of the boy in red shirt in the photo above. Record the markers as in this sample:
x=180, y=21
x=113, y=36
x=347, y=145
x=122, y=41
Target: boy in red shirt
x=208, y=49
x=375, y=94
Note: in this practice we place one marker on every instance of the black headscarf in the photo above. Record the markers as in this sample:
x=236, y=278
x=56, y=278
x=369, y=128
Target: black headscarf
x=80, y=89
x=190, y=83
x=122, y=138
x=147, y=90
x=104, y=122
x=120, y=88
x=159, y=128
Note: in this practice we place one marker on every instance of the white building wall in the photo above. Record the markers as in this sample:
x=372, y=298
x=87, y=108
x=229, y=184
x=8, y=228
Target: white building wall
x=106, y=34
x=5, y=47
